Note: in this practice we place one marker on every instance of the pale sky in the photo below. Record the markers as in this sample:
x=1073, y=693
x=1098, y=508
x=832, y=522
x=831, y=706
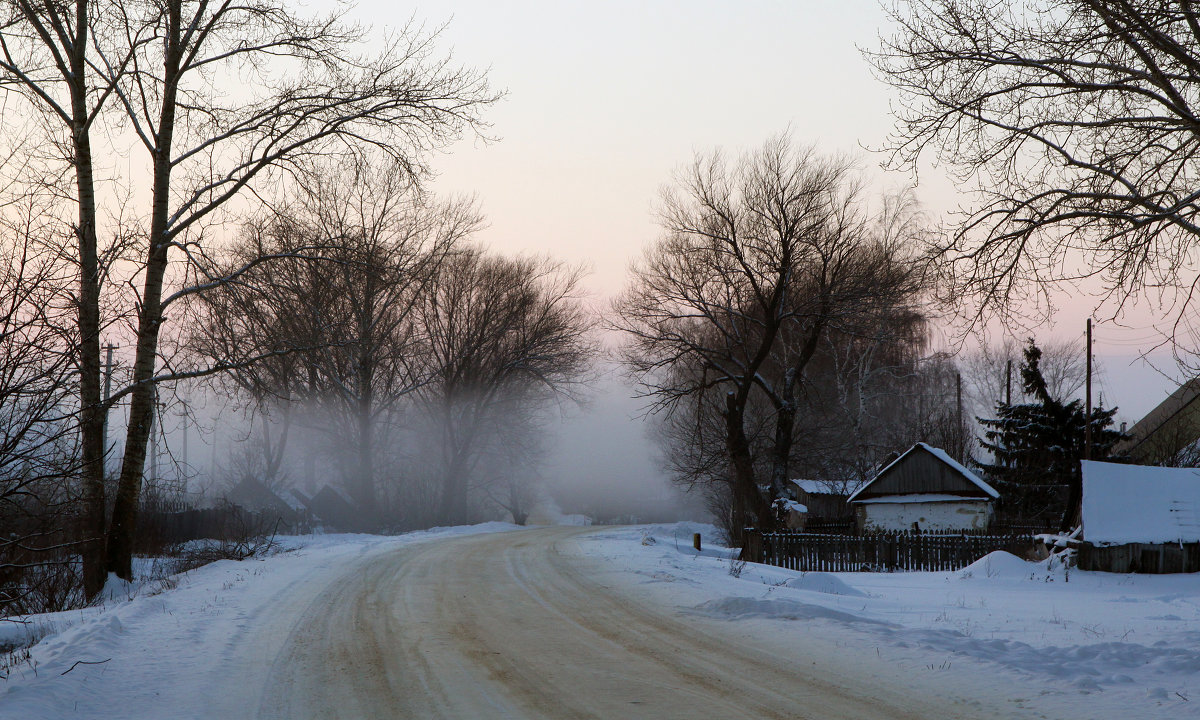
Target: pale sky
x=606, y=99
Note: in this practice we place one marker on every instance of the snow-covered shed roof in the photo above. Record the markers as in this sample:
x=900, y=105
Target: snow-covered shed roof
x=924, y=470
x=825, y=487
x=1140, y=504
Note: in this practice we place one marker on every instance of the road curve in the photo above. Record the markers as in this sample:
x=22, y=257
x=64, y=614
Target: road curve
x=518, y=625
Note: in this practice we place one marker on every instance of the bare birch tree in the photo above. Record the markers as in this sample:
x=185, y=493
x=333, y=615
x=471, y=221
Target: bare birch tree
x=303, y=90
x=47, y=56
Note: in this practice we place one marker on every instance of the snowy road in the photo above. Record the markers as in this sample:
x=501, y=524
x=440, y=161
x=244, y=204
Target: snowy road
x=522, y=625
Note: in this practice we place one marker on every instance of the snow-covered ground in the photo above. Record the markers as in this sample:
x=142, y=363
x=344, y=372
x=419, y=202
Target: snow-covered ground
x=1087, y=645
x=1077, y=644
x=172, y=638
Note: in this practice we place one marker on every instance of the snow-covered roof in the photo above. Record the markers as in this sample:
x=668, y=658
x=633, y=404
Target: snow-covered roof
x=294, y=500
x=825, y=487
x=944, y=458
x=920, y=498
x=1140, y=504
x=795, y=506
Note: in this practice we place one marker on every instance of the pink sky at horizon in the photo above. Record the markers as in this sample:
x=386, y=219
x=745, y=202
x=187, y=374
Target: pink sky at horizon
x=605, y=100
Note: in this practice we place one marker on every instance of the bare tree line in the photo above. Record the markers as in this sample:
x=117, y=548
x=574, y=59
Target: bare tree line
x=419, y=361
x=149, y=70
x=780, y=327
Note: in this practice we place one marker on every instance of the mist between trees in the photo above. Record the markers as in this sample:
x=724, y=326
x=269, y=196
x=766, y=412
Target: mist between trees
x=150, y=128
x=389, y=354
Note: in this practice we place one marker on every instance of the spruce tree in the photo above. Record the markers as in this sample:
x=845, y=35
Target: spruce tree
x=1036, y=448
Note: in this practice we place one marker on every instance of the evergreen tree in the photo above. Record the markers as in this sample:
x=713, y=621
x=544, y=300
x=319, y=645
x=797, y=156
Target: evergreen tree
x=1036, y=448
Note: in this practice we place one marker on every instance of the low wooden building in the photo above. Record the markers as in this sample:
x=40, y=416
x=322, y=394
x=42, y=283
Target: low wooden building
x=824, y=499
x=1168, y=429
x=334, y=509
x=924, y=489
x=1139, y=518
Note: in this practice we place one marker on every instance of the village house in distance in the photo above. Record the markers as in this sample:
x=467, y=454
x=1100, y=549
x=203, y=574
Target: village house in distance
x=924, y=489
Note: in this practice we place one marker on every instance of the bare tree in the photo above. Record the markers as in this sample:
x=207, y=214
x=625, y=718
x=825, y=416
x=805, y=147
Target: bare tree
x=987, y=371
x=758, y=261
x=47, y=56
x=1076, y=124
x=505, y=335
x=38, y=438
x=329, y=322
x=305, y=91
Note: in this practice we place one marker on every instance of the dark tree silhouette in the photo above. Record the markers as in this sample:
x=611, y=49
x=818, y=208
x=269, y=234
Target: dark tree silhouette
x=1036, y=448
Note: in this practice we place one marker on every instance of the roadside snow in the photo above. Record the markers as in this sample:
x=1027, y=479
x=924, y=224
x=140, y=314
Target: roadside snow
x=1077, y=644
x=1048, y=643
x=165, y=644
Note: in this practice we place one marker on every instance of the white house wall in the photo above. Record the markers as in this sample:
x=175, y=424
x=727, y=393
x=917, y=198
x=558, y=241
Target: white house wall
x=929, y=516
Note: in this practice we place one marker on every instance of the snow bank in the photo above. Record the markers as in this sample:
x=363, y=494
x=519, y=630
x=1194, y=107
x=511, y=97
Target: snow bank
x=1002, y=564
x=741, y=608
x=823, y=583
x=1058, y=644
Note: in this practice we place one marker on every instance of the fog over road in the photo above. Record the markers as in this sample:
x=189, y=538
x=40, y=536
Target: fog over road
x=523, y=625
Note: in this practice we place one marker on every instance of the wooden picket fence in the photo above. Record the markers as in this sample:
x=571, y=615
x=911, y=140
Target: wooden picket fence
x=878, y=552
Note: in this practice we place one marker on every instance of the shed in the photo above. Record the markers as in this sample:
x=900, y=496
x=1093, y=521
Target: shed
x=1139, y=518
x=286, y=510
x=825, y=499
x=334, y=508
x=926, y=489
x=254, y=494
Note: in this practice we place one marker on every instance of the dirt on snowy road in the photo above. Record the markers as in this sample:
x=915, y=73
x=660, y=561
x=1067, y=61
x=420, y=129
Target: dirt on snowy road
x=524, y=625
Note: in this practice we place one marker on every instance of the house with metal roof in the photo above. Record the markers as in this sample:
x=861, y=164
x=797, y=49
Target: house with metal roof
x=1166, y=430
x=924, y=489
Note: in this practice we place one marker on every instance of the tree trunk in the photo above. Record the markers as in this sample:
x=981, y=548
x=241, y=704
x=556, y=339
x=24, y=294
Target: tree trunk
x=749, y=508
x=453, y=510
x=785, y=424
x=91, y=409
x=365, y=482
x=91, y=422
x=141, y=406
x=141, y=416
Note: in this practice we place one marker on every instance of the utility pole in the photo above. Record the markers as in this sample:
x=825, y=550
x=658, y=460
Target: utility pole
x=183, y=467
x=154, y=424
x=959, y=432
x=1087, y=426
x=108, y=370
x=1008, y=384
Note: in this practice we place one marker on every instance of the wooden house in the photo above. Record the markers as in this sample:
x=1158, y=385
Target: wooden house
x=1171, y=426
x=288, y=510
x=825, y=500
x=334, y=509
x=1138, y=518
x=927, y=490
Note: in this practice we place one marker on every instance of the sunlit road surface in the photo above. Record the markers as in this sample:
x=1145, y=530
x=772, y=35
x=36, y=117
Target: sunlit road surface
x=520, y=625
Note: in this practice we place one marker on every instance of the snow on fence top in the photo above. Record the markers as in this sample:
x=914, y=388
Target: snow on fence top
x=1140, y=504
